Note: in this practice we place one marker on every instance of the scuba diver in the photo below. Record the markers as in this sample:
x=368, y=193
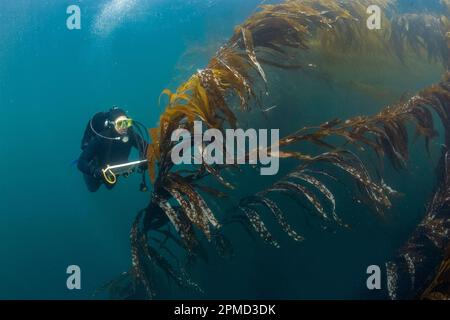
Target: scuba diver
x=107, y=141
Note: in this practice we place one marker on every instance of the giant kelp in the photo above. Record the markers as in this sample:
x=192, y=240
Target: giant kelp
x=236, y=78
x=419, y=259
x=386, y=133
x=439, y=289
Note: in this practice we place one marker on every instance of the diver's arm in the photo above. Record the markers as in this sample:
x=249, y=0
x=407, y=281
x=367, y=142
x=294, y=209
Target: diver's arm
x=85, y=163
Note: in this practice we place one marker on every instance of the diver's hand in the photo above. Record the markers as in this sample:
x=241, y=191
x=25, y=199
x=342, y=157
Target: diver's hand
x=107, y=178
x=142, y=168
x=98, y=174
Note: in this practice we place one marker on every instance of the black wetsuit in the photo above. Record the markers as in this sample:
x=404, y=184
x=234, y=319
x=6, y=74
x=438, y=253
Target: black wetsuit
x=100, y=152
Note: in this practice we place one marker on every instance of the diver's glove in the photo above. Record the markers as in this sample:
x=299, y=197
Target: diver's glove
x=98, y=174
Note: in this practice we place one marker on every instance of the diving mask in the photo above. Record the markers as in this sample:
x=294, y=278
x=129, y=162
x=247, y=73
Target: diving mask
x=122, y=124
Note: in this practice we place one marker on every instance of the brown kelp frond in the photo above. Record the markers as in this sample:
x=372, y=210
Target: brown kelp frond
x=261, y=200
x=196, y=198
x=308, y=182
x=235, y=77
x=376, y=194
x=278, y=33
x=181, y=225
x=288, y=186
x=386, y=133
x=139, y=268
x=203, y=96
x=258, y=225
x=145, y=259
x=192, y=203
x=341, y=26
x=306, y=176
x=190, y=210
x=180, y=276
x=424, y=34
x=409, y=272
x=293, y=24
x=439, y=289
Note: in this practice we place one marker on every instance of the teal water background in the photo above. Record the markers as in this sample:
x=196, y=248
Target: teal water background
x=52, y=80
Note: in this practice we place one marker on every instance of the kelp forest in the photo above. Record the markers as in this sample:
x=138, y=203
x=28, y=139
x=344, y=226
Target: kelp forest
x=312, y=39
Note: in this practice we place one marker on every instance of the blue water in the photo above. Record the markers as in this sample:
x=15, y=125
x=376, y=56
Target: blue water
x=52, y=80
